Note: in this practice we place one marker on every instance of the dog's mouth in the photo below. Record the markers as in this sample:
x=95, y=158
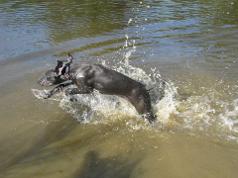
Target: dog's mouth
x=48, y=79
x=45, y=81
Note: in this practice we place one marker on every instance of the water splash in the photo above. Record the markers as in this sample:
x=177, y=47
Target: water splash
x=40, y=94
x=208, y=115
x=43, y=94
x=96, y=107
x=229, y=117
x=100, y=108
x=201, y=114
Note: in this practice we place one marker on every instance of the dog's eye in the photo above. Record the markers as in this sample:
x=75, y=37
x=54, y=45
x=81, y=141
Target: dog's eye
x=50, y=78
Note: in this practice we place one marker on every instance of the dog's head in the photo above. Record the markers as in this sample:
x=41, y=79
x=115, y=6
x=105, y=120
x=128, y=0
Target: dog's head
x=57, y=75
x=50, y=78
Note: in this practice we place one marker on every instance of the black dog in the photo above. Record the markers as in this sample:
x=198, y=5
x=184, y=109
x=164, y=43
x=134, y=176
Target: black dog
x=88, y=77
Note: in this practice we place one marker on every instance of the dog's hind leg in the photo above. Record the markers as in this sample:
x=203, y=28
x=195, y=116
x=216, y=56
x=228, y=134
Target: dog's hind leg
x=140, y=99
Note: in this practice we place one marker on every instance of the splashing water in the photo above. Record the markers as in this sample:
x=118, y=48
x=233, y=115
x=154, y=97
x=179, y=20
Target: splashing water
x=96, y=107
x=205, y=114
x=208, y=115
x=40, y=94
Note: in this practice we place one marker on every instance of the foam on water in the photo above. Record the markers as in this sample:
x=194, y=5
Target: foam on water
x=208, y=115
x=229, y=118
x=40, y=94
x=96, y=107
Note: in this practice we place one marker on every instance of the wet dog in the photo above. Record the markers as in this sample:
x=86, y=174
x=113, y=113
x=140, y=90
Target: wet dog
x=89, y=77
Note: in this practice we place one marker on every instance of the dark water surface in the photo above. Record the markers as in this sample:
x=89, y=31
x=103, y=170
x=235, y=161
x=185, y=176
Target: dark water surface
x=192, y=45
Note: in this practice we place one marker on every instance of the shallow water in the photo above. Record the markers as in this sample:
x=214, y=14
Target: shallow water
x=190, y=44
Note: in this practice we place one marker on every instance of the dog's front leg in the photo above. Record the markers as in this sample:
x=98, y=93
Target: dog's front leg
x=74, y=91
x=57, y=89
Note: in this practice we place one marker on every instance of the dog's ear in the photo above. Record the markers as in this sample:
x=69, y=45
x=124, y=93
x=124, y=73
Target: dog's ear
x=59, y=65
x=70, y=58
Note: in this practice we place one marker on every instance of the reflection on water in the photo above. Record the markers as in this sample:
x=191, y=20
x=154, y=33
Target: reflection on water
x=191, y=44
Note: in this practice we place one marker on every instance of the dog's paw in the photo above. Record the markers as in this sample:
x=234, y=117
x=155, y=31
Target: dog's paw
x=41, y=94
x=72, y=99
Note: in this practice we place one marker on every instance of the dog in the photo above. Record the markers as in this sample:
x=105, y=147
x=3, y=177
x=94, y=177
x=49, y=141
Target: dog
x=89, y=77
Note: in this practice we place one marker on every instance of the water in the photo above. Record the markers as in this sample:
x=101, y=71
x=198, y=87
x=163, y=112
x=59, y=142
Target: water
x=189, y=44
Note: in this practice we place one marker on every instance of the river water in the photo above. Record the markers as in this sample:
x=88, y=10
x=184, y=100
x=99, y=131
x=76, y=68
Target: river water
x=192, y=45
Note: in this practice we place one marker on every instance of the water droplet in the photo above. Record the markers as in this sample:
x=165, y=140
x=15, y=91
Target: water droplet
x=130, y=20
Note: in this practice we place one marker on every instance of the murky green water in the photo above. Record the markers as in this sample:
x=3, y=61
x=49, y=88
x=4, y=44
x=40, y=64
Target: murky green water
x=193, y=44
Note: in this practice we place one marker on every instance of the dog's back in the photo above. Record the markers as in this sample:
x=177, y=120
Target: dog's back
x=104, y=80
x=108, y=81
